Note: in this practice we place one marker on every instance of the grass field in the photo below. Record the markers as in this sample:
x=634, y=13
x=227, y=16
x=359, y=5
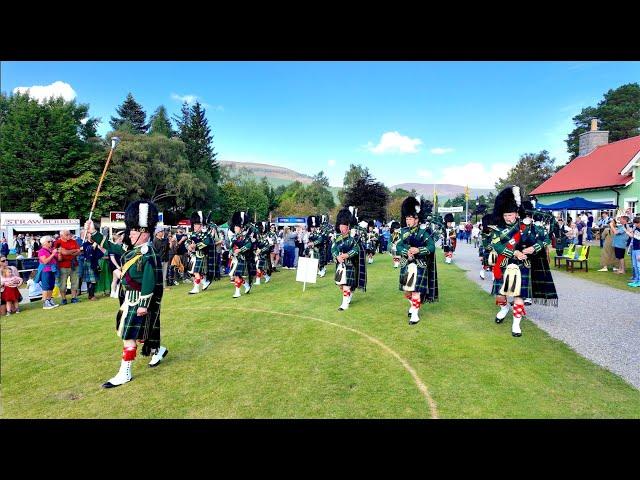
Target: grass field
x=281, y=353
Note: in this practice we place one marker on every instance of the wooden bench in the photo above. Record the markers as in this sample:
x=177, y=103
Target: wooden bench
x=570, y=254
x=583, y=259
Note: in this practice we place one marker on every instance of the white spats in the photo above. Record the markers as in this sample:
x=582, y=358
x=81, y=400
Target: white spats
x=322, y=273
x=502, y=313
x=195, y=289
x=396, y=264
x=123, y=375
x=345, y=303
x=257, y=282
x=482, y=274
x=515, y=326
x=267, y=278
x=247, y=287
x=414, y=317
x=205, y=284
x=447, y=260
x=237, y=294
x=157, y=357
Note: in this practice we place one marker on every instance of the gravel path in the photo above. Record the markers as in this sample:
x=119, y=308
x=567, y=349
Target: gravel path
x=611, y=340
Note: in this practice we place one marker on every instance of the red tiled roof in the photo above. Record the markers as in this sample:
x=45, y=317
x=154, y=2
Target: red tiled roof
x=599, y=169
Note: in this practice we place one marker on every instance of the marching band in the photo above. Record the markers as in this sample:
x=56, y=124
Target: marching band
x=513, y=247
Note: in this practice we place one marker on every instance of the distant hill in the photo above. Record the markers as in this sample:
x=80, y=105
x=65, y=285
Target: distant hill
x=444, y=190
x=275, y=175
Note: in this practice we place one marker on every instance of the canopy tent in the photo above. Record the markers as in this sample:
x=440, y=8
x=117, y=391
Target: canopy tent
x=576, y=203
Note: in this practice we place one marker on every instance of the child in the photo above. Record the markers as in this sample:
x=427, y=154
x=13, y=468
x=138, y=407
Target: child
x=11, y=295
x=35, y=290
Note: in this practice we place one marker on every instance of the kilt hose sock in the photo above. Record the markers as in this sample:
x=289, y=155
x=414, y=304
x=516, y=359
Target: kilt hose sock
x=129, y=353
x=518, y=313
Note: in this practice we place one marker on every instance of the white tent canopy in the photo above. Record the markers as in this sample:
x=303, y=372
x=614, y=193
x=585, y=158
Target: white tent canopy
x=12, y=223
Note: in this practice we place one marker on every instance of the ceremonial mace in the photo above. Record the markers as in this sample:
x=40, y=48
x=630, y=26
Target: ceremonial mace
x=114, y=143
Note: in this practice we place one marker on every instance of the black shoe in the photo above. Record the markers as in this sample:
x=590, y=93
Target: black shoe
x=516, y=334
x=499, y=320
x=408, y=313
x=111, y=385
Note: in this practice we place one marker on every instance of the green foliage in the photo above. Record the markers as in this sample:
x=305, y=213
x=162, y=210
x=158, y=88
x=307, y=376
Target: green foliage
x=154, y=167
x=531, y=170
x=369, y=197
x=160, y=124
x=131, y=117
x=618, y=112
x=42, y=151
x=351, y=176
x=239, y=191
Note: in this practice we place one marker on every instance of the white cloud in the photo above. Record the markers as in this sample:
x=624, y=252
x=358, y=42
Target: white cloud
x=441, y=151
x=184, y=98
x=42, y=93
x=428, y=174
x=393, y=142
x=191, y=99
x=331, y=162
x=475, y=174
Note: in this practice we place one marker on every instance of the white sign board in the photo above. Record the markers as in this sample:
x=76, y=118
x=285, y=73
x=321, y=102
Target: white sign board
x=307, y=270
x=450, y=209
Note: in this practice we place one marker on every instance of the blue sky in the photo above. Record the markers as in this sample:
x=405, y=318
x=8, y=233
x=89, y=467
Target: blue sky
x=427, y=122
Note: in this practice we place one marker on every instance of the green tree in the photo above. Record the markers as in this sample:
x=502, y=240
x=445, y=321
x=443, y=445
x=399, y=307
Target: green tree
x=43, y=143
x=369, y=197
x=160, y=123
x=618, y=112
x=183, y=121
x=351, y=176
x=531, y=170
x=131, y=117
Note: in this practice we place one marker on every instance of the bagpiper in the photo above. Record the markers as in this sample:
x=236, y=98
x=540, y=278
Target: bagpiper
x=517, y=242
x=272, y=237
x=138, y=319
x=315, y=247
x=198, y=244
x=262, y=253
x=241, y=253
x=373, y=240
x=214, y=251
x=394, y=231
x=328, y=234
x=485, y=251
x=449, y=240
x=416, y=248
x=348, y=254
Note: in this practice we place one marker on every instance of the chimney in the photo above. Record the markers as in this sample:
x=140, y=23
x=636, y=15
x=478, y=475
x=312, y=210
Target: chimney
x=588, y=141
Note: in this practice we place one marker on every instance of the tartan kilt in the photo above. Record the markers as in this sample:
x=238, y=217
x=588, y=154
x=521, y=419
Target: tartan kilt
x=351, y=274
x=525, y=285
x=88, y=273
x=198, y=264
x=422, y=284
x=241, y=269
x=133, y=324
x=322, y=257
x=262, y=262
